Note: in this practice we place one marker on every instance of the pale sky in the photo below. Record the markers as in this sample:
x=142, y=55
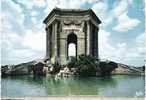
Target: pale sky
x=72, y=49
x=121, y=34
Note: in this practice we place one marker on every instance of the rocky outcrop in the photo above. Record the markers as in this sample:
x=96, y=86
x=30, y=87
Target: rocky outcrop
x=20, y=69
x=41, y=67
x=67, y=72
x=128, y=70
x=37, y=67
x=106, y=67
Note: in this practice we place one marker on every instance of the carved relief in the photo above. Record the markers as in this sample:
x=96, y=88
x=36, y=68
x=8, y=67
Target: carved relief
x=72, y=22
x=72, y=25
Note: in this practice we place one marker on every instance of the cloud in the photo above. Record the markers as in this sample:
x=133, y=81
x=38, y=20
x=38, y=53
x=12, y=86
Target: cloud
x=125, y=23
x=34, y=13
x=73, y=4
x=121, y=7
x=63, y=4
x=50, y=6
x=113, y=52
x=108, y=16
x=140, y=43
x=7, y=17
x=29, y=4
x=105, y=48
x=136, y=55
x=67, y=4
x=16, y=56
x=101, y=10
x=34, y=40
x=19, y=44
x=39, y=3
x=121, y=52
x=17, y=49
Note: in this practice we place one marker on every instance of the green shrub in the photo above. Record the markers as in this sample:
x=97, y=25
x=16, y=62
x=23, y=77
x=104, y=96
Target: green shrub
x=86, y=65
x=89, y=66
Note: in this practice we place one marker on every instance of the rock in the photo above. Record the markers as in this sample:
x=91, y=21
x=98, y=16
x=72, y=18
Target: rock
x=127, y=70
x=38, y=68
x=35, y=67
x=45, y=70
x=4, y=69
x=20, y=69
x=65, y=72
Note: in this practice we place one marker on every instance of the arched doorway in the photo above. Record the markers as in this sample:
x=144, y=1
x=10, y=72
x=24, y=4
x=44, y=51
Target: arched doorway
x=72, y=45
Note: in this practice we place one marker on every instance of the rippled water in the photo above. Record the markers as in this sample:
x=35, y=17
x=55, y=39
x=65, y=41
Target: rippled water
x=117, y=85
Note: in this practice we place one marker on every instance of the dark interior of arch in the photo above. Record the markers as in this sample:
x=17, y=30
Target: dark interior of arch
x=72, y=38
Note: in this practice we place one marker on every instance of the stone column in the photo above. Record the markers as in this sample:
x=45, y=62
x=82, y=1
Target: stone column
x=85, y=36
x=94, y=40
x=97, y=41
x=63, y=51
x=58, y=41
x=88, y=38
x=55, y=42
x=50, y=40
x=63, y=44
x=47, y=43
x=91, y=40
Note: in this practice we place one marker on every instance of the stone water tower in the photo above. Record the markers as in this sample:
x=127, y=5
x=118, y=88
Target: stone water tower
x=71, y=26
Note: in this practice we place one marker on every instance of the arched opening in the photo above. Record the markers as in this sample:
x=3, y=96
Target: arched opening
x=72, y=45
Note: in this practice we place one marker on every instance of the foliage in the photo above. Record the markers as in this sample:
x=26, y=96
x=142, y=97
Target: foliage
x=86, y=65
x=89, y=66
x=71, y=62
x=107, y=67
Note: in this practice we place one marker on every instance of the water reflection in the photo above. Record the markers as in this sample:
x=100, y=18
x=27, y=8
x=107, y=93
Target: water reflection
x=102, y=86
x=78, y=86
